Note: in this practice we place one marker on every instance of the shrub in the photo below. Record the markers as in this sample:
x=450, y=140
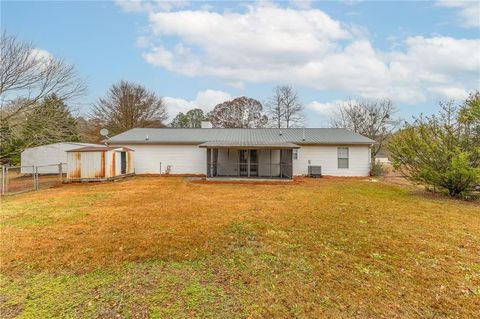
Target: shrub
x=442, y=151
x=377, y=169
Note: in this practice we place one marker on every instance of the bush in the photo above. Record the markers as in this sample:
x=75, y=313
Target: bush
x=377, y=169
x=442, y=151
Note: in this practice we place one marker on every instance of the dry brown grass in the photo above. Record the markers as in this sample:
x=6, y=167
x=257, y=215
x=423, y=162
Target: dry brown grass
x=314, y=248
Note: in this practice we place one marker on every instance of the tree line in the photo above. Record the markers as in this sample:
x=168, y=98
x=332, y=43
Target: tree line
x=441, y=151
x=36, y=89
x=283, y=109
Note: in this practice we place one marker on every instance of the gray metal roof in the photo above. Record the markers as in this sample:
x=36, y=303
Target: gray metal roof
x=239, y=136
x=74, y=144
x=101, y=148
x=280, y=145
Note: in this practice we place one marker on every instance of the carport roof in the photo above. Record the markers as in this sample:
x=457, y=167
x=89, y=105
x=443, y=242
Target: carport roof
x=239, y=136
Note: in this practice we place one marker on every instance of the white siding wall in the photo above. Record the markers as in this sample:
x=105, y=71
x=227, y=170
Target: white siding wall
x=326, y=156
x=45, y=155
x=183, y=159
x=190, y=159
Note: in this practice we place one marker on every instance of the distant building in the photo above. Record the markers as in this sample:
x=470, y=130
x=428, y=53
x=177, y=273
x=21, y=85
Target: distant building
x=51, y=154
x=382, y=158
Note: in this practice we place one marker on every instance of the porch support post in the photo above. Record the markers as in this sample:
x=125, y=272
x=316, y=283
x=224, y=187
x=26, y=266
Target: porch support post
x=209, y=162
x=215, y=162
x=270, y=163
x=291, y=163
x=248, y=163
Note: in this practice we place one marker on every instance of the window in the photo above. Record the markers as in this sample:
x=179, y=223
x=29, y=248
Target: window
x=342, y=157
x=295, y=154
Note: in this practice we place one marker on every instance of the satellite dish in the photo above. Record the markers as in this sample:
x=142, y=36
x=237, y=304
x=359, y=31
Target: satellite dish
x=104, y=132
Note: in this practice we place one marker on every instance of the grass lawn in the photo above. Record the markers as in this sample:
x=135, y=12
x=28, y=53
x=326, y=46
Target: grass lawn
x=169, y=248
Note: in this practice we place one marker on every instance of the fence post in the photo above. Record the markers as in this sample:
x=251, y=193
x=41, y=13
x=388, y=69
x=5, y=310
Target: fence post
x=60, y=172
x=6, y=181
x=2, y=181
x=35, y=177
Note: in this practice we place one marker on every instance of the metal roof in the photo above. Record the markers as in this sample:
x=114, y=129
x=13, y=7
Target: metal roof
x=240, y=136
x=73, y=144
x=100, y=149
x=248, y=145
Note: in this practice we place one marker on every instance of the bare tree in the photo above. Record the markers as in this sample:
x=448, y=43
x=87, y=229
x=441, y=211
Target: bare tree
x=371, y=118
x=285, y=108
x=242, y=112
x=28, y=75
x=89, y=130
x=275, y=108
x=128, y=105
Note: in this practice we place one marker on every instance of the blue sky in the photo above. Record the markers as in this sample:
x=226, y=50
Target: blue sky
x=197, y=54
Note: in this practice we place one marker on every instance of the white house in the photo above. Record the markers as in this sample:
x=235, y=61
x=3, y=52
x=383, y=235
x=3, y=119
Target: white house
x=257, y=153
x=47, y=156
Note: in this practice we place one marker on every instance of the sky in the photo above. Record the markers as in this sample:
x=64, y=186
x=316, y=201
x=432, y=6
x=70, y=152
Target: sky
x=199, y=54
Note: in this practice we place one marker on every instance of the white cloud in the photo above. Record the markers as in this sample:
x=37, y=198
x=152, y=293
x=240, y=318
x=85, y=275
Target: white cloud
x=468, y=11
x=130, y=5
x=324, y=109
x=41, y=54
x=149, y=5
x=267, y=43
x=302, y=4
x=42, y=57
x=324, y=112
x=205, y=100
x=143, y=42
x=450, y=92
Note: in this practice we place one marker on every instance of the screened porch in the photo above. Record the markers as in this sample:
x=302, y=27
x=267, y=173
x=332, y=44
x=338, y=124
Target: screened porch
x=250, y=161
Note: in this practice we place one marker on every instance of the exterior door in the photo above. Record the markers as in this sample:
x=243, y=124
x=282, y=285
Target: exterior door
x=253, y=163
x=243, y=163
x=286, y=169
x=123, y=162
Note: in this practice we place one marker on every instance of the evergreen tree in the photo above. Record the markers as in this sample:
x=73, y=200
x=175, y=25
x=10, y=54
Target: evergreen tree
x=192, y=119
x=50, y=122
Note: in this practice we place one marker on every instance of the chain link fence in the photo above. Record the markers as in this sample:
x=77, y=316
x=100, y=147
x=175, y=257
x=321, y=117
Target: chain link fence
x=49, y=175
x=19, y=179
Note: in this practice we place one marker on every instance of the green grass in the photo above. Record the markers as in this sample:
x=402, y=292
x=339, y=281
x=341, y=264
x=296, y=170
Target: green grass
x=47, y=211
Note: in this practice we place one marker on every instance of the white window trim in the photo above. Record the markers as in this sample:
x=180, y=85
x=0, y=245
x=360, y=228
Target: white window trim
x=347, y=158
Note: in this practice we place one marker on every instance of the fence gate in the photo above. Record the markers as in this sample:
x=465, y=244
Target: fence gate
x=19, y=179
x=47, y=176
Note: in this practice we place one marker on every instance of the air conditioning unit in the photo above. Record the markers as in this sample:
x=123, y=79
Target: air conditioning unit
x=314, y=171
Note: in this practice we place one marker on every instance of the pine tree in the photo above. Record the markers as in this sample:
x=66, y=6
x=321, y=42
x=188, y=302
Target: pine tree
x=50, y=122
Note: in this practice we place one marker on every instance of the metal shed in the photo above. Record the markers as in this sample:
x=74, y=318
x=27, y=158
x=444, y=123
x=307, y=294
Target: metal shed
x=97, y=163
x=45, y=156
